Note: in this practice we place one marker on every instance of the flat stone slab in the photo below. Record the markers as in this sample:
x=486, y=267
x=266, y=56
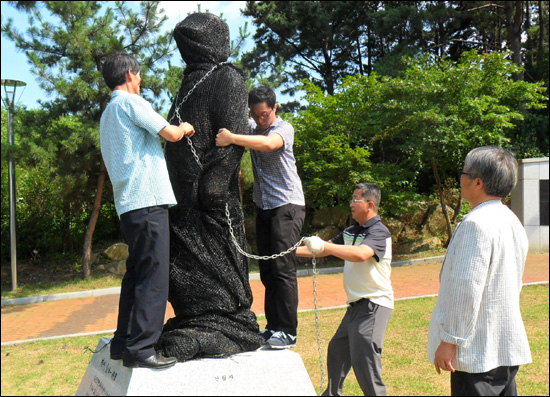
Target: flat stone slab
x=263, y=372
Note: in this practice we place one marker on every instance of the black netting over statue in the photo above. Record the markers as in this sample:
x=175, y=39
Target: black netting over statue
x=209, y=286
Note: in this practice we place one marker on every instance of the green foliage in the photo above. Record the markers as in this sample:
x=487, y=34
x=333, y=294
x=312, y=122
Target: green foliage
x=439, y=110
x=309, y=38
x=58, y=155
x=324, y=42
x=397, y=131
x=389, y=119
x=55, y=183
x=67, y=54
x=332, y=149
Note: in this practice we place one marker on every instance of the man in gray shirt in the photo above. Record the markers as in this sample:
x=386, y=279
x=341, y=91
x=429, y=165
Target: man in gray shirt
x=280, y=205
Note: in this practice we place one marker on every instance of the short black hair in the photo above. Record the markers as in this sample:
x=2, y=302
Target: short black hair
x=115, y=67
x=262, y=94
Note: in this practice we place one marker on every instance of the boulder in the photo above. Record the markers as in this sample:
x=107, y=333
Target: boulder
x=435, y=223
x=329, y=217
x=413, y=247
x=328, y=232
x=118, y=267
x=394, y=226
x=418, y=218
x=117, y=252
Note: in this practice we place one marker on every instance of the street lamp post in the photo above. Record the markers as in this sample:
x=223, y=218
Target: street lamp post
x=10, y=87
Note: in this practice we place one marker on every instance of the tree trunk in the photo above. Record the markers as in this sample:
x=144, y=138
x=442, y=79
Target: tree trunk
x=87, y=248
x=457, y=208
x=541, y=33
x=514, y=19
x=369, y=53
x=442, y=201
x=66, y=233
x=327, y=73
x=359, y=56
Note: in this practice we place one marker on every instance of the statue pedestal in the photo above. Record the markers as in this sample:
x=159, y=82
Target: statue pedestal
x=262, y=372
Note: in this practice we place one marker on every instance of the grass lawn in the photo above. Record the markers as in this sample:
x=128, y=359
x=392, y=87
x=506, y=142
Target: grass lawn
x=56, y=367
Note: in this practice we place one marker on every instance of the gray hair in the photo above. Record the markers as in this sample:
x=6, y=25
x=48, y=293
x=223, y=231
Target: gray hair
x=496, y=167
x=370, y=192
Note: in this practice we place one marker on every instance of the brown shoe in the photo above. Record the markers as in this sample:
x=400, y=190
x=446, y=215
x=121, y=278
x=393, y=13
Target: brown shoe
x=156, y=361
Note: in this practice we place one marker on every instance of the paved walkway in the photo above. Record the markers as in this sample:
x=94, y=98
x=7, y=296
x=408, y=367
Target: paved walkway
x=99, y=313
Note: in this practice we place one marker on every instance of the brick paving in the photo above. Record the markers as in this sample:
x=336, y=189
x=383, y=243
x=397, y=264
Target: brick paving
x=94, y=314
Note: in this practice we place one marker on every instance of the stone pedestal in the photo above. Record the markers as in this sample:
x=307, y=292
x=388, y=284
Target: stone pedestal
x=263, y=372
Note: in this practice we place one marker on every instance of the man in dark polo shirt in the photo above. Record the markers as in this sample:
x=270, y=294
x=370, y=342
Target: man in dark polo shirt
x=366, y=248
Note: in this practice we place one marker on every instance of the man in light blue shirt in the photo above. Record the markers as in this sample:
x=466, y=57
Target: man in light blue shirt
x=129, y=138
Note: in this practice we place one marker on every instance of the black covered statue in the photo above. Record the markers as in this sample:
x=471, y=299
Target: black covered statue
x=209, y=285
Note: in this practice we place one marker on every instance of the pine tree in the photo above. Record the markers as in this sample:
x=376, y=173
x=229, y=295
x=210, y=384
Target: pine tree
x=66, y=44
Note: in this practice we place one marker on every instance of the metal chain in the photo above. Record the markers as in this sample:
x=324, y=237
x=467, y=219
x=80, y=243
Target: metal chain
x=263, y=258
x=317, y=327
x=177, y=109
x=197, y=159
x=315, y=306
x=257, y=257
x=193, y=151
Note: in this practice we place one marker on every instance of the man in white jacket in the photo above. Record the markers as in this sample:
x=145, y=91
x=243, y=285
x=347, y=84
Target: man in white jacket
x=476, y=330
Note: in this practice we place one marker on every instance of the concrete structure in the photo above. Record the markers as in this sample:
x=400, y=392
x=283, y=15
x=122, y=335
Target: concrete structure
x=263, y=372
x=530, y=201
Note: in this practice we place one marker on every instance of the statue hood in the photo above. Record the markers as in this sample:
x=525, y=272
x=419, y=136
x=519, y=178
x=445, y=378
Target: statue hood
x=203, y=38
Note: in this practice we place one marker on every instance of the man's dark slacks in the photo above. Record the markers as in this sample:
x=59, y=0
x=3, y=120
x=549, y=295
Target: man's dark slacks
x=357, y=344
x=499, y=381
x=144, y=291
x=277, y=230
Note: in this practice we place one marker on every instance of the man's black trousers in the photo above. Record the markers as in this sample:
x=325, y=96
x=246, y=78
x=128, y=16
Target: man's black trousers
x=500, y=381
x=144, y=291
x=277, y=230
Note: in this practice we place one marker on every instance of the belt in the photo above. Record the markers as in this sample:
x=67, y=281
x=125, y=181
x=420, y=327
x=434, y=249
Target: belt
x=358, y=301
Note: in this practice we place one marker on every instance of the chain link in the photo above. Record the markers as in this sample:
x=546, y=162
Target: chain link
x=194, y=152
x=177, y=110
x=314, y=263
x=234, y=239
x=317, y=327
x=263, y=258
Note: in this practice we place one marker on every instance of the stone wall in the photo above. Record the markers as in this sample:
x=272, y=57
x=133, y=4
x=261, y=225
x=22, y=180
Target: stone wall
x=424, y=230
x=530, y=202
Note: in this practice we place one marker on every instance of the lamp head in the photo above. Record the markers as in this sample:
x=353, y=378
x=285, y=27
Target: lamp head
x=10, y=86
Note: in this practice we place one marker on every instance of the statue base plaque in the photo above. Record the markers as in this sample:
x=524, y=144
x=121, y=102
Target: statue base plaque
x=261, y=372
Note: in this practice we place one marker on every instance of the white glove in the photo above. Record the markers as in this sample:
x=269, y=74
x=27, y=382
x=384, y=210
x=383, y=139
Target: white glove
x=315, y=244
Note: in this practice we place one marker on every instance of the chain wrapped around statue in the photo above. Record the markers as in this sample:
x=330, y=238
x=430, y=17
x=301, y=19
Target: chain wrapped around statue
x=209, y=286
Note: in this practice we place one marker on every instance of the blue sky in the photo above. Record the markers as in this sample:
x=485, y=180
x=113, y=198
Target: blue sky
x=15, y=65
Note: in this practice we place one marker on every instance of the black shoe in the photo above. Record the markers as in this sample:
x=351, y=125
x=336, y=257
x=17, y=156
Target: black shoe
x=116, y=356
x=156, y=361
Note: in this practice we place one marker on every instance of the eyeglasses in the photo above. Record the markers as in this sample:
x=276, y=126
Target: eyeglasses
x=262, y=115
x=353, y=201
